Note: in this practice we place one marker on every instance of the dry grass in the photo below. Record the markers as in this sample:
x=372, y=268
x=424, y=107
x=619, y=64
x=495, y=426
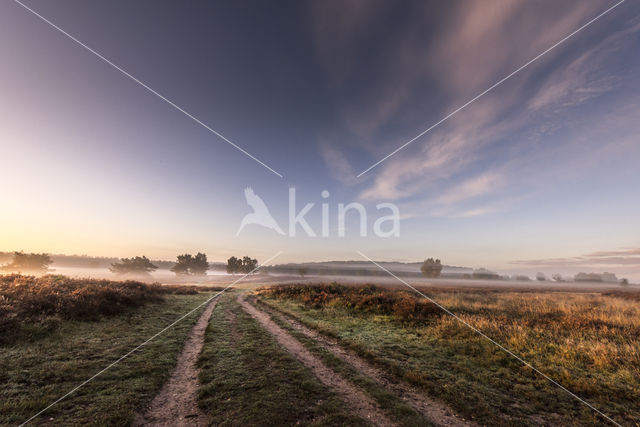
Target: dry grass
x=367, y=299
x=249, y=379
x=34, y=373
x=30, y=300
x=589, y=342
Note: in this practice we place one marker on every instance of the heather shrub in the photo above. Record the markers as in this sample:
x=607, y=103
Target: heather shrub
x=365, y=299
x=33, y=300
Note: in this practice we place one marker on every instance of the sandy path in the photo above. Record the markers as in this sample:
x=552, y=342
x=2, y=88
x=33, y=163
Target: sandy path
x=361, y=404
x=177, y=402
x=437, y=412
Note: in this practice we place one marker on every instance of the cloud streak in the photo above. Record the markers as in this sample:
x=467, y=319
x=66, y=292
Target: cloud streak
x=487, y=138
x=621, y=258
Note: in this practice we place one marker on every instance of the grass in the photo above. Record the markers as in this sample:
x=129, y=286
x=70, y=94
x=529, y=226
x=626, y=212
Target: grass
x=56, y=350
x=31, y=306
x=399, y=411
x=248, y=379
x=590, y=343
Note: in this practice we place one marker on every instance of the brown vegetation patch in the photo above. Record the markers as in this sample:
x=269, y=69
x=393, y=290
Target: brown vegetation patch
x=367, y=299
x=628, y=295
x=30, y=299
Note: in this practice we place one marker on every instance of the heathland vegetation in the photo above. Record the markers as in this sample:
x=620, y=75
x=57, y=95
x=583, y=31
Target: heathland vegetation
x=32, y=305
x=249, y=379
x=57, y=332
x=588, y=342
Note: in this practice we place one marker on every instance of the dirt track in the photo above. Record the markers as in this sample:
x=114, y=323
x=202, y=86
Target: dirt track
x=361, y=404
x=431, y=409
x=177, y=402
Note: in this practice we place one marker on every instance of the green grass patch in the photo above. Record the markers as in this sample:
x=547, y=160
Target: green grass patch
x=399, y=411
x=34, y=372
x=590, y=343
x=248, y=379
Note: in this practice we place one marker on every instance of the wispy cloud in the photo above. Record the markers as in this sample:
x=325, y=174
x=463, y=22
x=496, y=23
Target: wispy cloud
x=471, y=188
x=488, y=136
x=335, y=160
x=622, y=258
x=584, y=78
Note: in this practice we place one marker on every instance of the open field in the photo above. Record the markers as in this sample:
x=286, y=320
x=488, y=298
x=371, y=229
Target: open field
x=444, y=283
x=64, y=331
x=248, y=379
x=314, y=355
x=219, y=278
x=588, y=342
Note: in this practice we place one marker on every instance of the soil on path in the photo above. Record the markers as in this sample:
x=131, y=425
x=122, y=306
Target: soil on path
x=360, y=403
x=177, y=402
x=437, y=412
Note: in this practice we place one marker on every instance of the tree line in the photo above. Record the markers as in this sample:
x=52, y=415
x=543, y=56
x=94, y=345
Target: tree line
x=185, y=265
x=245, y=265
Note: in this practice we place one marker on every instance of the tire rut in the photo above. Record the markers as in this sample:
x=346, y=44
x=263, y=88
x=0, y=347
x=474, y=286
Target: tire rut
x=435, y=411
x=360, y=403
x=177, y=402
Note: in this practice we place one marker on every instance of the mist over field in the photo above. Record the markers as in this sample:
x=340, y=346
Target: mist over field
x=320, y=213
x=355, y=272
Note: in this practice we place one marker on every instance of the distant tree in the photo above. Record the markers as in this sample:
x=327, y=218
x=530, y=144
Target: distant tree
x=431, y=268
x=522, y=278
x=624, y=282
x=199, y=265
x=557, y=277
x=249, y=264
x=28, y=263
x=484, y=274
x=137, y=265
x=234, y=265
x=302, y=271
x=587, y=277
x=189, y=264
x=182, y=265
x=541, y=277
x=244, y=265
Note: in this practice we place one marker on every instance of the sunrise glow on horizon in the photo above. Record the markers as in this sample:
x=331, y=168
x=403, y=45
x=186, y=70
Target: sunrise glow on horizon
x=539, y=174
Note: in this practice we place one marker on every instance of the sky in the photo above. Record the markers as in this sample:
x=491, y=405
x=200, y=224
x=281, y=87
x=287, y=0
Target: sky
x=539, y=174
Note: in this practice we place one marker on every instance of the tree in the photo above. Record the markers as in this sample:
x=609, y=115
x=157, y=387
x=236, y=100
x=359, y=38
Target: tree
x=234, y=265
x=557, y=277
x=28, y=263
x=244, y=265
x=137, y=265
x=249, y=264
x=624, y=282
x=431, y=268
x=484, y=274
x=302, y=271
x=541, y=277
x=189, y=264
x=182, y=264
x=199, y=265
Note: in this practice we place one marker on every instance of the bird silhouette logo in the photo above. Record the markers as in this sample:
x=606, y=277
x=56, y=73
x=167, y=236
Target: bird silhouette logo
x=260, y=215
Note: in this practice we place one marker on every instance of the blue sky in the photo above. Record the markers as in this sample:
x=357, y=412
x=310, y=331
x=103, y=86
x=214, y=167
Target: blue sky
x=543, y=169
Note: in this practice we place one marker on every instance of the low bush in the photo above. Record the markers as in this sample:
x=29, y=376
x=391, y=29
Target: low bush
x=367, y=299
x=628, y=295
x=30, y=299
